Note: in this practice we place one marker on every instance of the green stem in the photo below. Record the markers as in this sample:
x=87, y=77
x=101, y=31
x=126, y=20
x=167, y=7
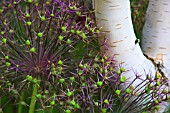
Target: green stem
x=51, y=109
x=0, y=106
x=20, y=107
x=33, y=98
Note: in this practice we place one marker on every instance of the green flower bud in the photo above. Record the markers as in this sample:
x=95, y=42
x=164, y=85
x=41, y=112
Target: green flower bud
x=81, y=65
x=102, y=60
x=69, y=93
x=111, y=69
x=150, y=86
x=30, y=1
x=8, y=64
x=63, y=28
x=101, y=70
x=128, y=90
x=106, y=101
x=61, y=80
x=100, y=83
x=83, y=35
x=78, y=32
x=83, y=84
x=27, y=15
x=53, y=72
x=53, y=97
x=158, y=83
x=52, y=15
x=72, y=79
x=98, y=31
x=4, y=40
x=77, y=106
x=34, y=81
x=71, y=7
x=68, y=41
x=157, y=107
x=60, y=62
x=156, y=102
x=6, y=57
x=39, y=96
x=52, y=65
x=60, y=68
x=29, y=23
x=118, y=92
x=104, y=110
x=28, y=42
x=122, y=79
x=158, y=76
x=78, y=13
x=72, y=102
x=88, y=18
x=1, y=10
x=47, y=2
x=87, y=26
x=80, y=72
x=2, y=32
x=42, y=18
x=11, y=31
x=29, y=78
x=122, y=69
x=60, y=38
x=75, y=7
x=46, y=92
x=32, y=50
x=36, y=4
x=68, y=111
x=119, y=72
x=72, y=31
x=40, y=35
x=164, y=91
x=52, y=103
x=147, y=90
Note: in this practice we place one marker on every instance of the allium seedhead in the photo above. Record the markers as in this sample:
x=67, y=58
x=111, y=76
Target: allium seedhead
x=38, y=46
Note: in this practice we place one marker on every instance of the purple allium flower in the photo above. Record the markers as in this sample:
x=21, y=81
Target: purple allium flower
x=39, y=41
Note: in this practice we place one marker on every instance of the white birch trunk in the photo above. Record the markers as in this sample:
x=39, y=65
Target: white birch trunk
x=114, y=16
x=156, y=33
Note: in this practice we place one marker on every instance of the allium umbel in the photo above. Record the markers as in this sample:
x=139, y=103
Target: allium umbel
x=39, y=56
x=38, y=39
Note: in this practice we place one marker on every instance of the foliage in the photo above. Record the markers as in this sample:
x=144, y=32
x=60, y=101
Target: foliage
x=49, y=63
x=138, y=15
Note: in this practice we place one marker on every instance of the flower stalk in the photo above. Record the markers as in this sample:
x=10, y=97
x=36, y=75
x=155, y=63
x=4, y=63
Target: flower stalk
x=34, y=96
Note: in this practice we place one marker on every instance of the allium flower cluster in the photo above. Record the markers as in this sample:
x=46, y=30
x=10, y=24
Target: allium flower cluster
x=39, y=63
x=39, y=39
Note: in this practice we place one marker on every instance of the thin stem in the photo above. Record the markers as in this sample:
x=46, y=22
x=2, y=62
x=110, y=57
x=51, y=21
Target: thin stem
x=20, y=108
x=33, y=98
x=0, y=106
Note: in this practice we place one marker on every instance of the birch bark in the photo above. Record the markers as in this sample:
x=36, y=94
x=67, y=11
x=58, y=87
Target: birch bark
x=114, y=16
x=156, y=33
